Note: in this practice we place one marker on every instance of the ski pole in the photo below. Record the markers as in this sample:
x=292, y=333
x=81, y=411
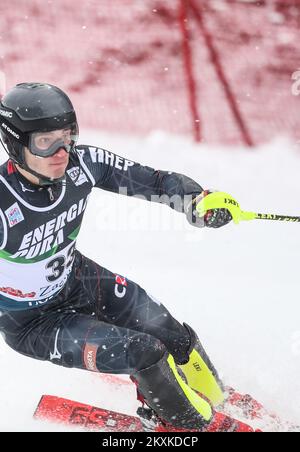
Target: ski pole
x=221, y=200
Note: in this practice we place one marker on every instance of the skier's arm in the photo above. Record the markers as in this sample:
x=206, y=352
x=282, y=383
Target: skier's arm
x=119, y=175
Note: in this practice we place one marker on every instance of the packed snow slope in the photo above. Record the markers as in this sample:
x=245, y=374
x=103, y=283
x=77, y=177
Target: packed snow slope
x=238, y=286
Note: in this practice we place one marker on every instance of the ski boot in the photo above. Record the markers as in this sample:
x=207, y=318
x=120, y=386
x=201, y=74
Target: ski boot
x=163, y=390
x=199, y=372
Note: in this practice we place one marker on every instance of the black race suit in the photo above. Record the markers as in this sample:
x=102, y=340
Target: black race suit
x=58, y=305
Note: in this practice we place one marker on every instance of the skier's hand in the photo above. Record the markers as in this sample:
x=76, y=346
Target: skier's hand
x=214, y=218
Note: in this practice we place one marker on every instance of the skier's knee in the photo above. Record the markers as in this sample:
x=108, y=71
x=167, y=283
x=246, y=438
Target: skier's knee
x=129, y=354
x=67, y=355
x=144, y=351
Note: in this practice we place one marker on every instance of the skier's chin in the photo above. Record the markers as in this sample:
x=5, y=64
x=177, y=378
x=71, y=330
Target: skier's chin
x=57, y=171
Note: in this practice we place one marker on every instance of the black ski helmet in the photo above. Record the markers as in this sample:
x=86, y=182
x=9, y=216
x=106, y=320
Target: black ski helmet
x=32, y=107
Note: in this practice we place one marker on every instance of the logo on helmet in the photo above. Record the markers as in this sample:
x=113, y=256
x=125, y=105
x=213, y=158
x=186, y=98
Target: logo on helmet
x=8, y=129
x=6, y=114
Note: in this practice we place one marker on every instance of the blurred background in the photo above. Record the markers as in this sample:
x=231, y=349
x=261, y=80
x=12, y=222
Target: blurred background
x=221, y=71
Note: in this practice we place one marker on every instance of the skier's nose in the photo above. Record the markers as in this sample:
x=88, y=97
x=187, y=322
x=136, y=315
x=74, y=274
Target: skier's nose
x=61, y=153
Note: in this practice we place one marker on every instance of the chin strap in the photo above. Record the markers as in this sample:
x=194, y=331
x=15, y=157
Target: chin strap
x=43, y=181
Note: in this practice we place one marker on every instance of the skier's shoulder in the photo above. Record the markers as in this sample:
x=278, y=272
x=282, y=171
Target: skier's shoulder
x=11, y=179
x=4, y=168
x=90, y=154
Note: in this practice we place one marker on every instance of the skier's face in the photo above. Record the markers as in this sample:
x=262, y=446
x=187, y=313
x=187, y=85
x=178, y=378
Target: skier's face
x=52, y=167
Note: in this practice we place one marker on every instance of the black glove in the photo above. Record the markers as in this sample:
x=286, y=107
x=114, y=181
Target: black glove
x=214, y=218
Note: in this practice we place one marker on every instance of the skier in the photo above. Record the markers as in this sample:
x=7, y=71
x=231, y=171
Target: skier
x=58, y=305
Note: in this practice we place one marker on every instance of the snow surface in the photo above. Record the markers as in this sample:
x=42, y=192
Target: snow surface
x=237, y=286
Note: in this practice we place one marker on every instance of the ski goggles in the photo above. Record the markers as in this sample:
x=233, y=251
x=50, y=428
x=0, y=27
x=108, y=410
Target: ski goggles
x=47, y=143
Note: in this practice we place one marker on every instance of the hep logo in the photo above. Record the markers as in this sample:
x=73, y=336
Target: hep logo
x=296, y=84
x=120, y=286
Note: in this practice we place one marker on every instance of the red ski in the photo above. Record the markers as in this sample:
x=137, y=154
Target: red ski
x=60, y=410
x=64, y=411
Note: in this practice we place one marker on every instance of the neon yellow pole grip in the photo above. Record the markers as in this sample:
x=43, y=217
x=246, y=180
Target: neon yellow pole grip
x=222, y=200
